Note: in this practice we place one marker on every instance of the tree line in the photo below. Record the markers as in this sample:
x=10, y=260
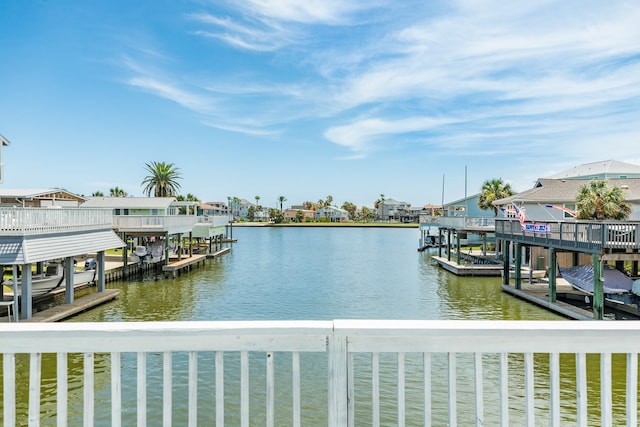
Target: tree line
x=595, y=201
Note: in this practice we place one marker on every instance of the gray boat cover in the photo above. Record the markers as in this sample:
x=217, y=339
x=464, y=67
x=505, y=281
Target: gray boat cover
x=581, y=277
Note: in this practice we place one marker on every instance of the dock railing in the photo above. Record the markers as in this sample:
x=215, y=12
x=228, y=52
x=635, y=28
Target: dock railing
x=471, y=223
x=154, y=223
x=587, y=236
x=38, y=221
x=376, y=372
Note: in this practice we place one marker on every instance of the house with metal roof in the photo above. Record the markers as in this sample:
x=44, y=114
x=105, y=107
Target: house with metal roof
x=605, y=169
x=31, y=236
x=148, y=215
x=554, y=199
x=39, y=198
x=332, y=213
x=158, y=219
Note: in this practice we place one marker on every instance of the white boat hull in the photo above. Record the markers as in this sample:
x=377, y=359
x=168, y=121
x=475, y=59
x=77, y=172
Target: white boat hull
x=40, y=286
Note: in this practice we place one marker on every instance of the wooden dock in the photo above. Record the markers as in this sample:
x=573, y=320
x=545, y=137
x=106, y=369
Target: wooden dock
x=56, y=311
x=468, y=269
x=64, y=311
x=176, y=267
x=538, y=294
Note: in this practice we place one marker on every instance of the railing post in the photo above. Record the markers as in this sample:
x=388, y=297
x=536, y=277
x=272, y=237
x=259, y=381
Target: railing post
x=552, y=274
x=100, y=266
x=598, y=289
x=68, y=280
x=518, y=265
x=505, y=261
x=338, y=404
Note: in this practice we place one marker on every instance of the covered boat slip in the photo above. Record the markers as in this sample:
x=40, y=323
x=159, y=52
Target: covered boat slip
x=599, y=241
x=35, y=235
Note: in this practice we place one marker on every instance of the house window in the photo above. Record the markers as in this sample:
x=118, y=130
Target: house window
x=569, y=206
x=154, y=211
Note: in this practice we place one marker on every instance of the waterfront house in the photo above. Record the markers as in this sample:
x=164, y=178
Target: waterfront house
x=39, y=198
x=148, y=218
x=393, y=211
x=332, y=213
x=292, y=214
x=555, y=199
x=213, y=208
x=33, y=235
x=604, y=169
x=546, y=233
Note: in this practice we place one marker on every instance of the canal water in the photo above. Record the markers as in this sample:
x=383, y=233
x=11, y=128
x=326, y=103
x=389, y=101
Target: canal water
x=312, y=274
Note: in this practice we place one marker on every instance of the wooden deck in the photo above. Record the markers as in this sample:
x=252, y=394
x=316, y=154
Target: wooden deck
x=64, y=311
x=539, y=295
x=468, y=269
x=177, y=267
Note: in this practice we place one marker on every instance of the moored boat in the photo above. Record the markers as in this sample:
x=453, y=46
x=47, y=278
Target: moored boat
x=51, y=279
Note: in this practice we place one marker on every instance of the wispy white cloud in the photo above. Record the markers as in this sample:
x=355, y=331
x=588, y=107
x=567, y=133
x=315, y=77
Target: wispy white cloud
x=457, y=74
x=253, y=34
x=329, y=12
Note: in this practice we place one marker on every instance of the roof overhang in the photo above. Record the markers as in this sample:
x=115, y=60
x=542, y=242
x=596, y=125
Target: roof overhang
x=18, y=250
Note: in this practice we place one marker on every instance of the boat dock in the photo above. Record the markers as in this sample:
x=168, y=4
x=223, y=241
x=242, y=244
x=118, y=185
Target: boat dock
x=468, y=269
x=178, y=266
x=64, y=311
x=538, y=293
x=56, y=311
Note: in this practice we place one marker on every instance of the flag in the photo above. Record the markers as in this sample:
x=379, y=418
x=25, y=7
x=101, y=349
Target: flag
x=563, y=209
x=507, y=211
x=520, y=215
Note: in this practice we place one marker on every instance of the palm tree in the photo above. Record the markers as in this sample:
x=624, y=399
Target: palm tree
x=257, y=200
x=98, y=194
x=492, y=190
x=329, y=200
x=162, y=180
x=117, y=192
x=600, y=202
x=377, y=202
x=281, y=199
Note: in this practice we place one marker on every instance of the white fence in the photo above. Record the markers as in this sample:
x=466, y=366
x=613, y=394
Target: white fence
x=468, y=223
x=154, y=223
x=440, y=372
x=37, y=221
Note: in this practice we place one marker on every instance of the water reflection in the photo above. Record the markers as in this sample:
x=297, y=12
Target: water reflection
x=316, y=274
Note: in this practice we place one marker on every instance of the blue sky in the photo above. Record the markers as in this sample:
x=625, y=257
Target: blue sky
x=306, y=99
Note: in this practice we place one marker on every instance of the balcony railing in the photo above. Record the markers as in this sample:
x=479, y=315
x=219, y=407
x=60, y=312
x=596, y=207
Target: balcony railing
x=38, y=221
x=371, y=373
x=586, y=236
x=471, y=223
x=154, y=223
x=214, y=220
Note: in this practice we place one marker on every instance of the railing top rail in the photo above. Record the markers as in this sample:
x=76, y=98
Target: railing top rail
x=362, y=335
x=29, y=221
x=165, y=336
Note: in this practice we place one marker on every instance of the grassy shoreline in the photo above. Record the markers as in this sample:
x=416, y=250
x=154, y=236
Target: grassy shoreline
x=329, y=224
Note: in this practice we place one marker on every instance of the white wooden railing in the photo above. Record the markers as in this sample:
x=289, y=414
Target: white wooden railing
x=37, y=221
x=214, y=220
x=483, y=367
x=479, y=223
x=591, y=236
x=158, y=223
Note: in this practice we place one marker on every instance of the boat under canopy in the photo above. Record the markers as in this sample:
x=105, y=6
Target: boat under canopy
x=581, y=277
